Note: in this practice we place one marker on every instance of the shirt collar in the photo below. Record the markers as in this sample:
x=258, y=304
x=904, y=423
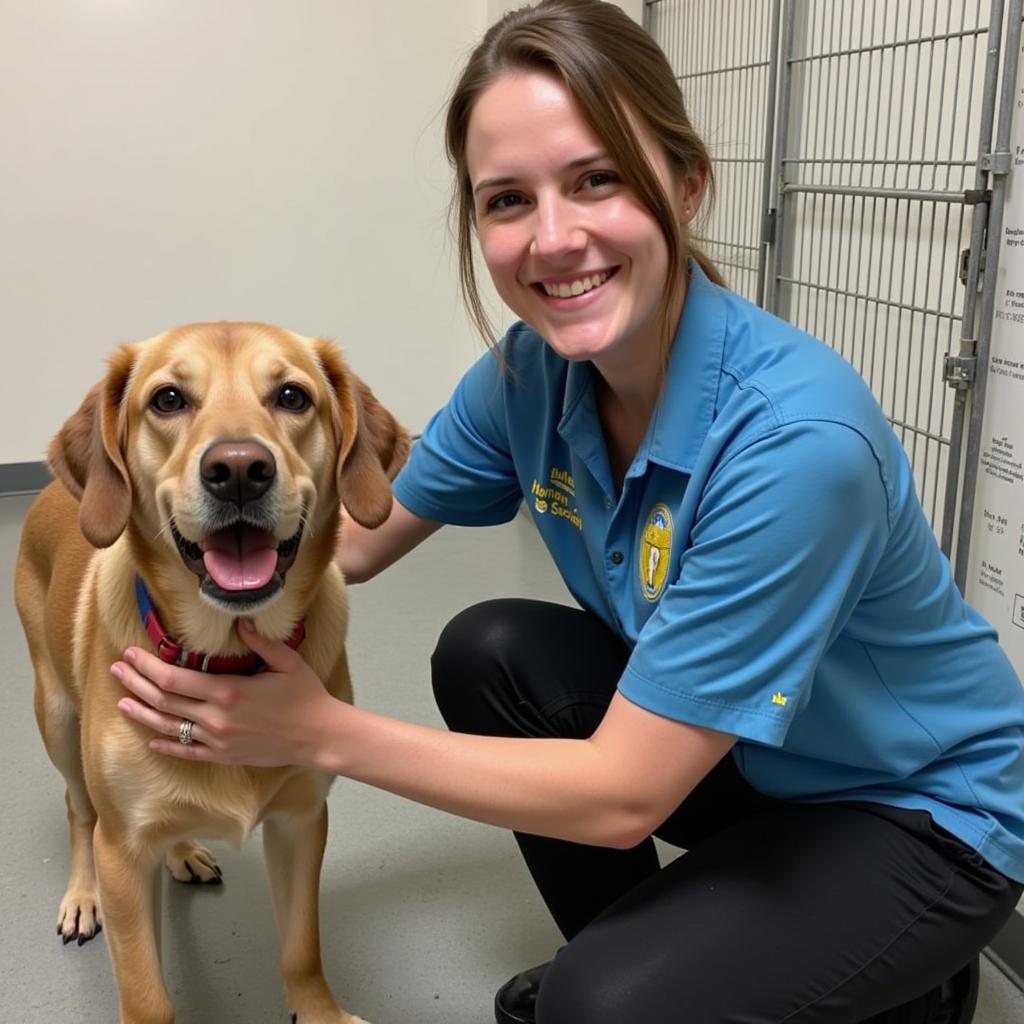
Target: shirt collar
x=579, y=425
x=686, y=407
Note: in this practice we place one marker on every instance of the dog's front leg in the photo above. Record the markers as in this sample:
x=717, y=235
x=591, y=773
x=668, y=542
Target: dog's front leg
x=294, y=849
x=129, y=885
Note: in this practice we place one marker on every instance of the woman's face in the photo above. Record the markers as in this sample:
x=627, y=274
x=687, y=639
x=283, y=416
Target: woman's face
x=570, y=248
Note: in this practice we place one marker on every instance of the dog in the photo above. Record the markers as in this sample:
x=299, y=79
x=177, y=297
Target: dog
x=199, y=481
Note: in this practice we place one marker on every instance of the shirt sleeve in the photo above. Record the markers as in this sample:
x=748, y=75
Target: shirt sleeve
x=461, y=471
x=787, y=534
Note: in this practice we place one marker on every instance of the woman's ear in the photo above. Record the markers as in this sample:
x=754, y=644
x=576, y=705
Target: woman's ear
x=689, y=193
x=87, y=456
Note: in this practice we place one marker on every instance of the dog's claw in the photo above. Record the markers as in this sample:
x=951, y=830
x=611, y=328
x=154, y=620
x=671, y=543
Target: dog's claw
x=193, y=864
x=85, y=924
x=217, y=879
x=73, y=934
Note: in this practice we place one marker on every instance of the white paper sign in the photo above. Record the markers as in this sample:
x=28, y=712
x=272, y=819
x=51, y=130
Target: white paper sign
x=995, y=581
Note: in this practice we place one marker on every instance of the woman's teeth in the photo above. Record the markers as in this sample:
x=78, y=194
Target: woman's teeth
x=567, y=289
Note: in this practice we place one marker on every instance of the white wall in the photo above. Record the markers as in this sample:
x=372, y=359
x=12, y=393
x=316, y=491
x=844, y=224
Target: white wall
x=180, y=160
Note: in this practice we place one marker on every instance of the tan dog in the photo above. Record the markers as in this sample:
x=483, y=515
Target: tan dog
x=210, y=463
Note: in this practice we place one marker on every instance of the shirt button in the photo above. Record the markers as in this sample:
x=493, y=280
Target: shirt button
x=608, y=503
x=617, y=557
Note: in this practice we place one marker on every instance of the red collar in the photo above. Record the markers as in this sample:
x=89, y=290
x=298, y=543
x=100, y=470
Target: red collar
x=173, y=653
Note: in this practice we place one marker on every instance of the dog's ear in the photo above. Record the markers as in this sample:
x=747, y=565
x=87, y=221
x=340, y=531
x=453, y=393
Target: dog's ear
x=87, y=456
x=372, y=444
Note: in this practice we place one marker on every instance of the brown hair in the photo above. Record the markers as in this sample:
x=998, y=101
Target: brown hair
x=613, y=69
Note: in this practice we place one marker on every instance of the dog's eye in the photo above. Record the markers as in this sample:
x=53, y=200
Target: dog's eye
x=293, y=398
x=167, y=401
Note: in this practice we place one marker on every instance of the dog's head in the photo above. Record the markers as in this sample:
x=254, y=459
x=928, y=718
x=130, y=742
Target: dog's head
x=226, y=446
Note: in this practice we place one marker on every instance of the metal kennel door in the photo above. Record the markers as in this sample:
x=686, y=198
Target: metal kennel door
x=846, y=141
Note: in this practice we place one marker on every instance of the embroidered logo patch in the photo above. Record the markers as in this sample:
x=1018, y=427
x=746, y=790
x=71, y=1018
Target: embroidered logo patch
x=557, y=497
x=655, y=551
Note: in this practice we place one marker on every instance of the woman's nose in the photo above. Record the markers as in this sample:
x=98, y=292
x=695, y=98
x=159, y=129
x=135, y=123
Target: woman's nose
x=559, y=229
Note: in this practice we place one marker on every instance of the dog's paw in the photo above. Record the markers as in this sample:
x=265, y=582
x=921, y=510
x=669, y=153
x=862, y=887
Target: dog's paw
x=193, y=864
x=78, y=917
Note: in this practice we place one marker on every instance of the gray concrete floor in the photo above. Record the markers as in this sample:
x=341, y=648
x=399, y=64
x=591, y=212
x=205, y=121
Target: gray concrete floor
x=424, y=915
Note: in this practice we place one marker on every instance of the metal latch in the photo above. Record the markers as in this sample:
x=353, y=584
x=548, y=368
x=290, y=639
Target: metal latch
x=959, y=371
x=965, y=258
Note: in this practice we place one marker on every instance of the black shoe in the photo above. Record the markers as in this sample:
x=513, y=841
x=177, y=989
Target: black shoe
x=516, y=999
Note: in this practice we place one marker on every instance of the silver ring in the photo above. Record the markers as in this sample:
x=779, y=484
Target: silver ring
x=185, y=731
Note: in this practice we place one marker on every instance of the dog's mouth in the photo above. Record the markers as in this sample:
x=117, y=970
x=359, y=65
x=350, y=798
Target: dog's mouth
x=240, y=564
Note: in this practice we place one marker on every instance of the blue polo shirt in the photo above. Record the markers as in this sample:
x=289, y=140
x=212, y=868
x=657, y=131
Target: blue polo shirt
x=767, y=561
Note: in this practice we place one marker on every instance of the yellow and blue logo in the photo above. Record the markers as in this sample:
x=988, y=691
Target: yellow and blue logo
x=655, y=552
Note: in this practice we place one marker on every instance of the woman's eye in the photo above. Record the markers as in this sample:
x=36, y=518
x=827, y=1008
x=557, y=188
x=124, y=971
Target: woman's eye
x=293, y=398
x=598, y=178
x=505, y=201
x=168, y=401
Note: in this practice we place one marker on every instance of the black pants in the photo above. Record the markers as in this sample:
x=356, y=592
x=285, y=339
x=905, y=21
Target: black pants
x=778, y=912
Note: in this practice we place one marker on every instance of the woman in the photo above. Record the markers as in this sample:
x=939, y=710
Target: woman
x=770, y=667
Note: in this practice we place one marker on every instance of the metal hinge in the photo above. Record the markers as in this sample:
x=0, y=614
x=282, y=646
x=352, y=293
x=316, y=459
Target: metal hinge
x=999, y=162
x=959, y=371
x=768, y=227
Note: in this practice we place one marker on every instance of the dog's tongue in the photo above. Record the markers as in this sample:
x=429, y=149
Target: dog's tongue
x=241, y=558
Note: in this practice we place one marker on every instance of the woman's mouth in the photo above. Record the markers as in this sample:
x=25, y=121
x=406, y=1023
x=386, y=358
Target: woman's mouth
x=575, y=287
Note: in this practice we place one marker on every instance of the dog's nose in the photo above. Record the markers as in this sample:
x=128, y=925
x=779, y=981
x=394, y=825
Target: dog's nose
x=237, y=471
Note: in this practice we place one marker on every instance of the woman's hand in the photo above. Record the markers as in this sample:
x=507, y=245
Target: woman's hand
x=277, y=717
